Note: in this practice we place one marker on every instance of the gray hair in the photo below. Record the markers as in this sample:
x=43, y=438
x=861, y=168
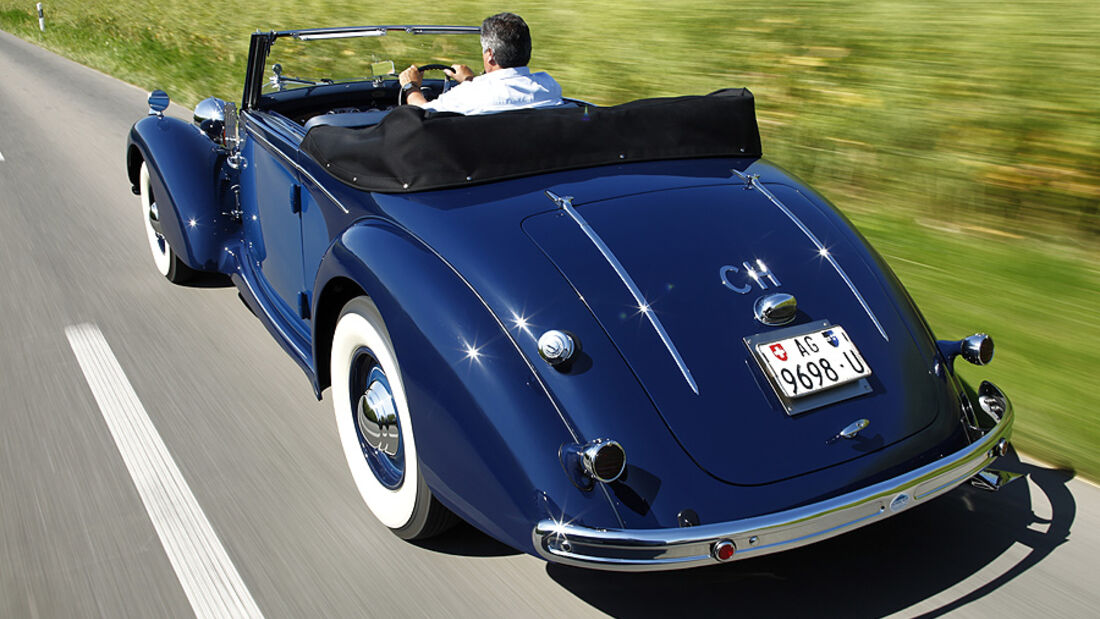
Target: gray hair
x=509, y=38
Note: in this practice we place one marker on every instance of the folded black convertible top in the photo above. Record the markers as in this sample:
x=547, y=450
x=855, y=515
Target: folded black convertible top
x=415, y=150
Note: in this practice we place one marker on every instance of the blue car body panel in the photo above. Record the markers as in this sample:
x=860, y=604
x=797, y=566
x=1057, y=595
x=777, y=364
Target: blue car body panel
x=188, y=175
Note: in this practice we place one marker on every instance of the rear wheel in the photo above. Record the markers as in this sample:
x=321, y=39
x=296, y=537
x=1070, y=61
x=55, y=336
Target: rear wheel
x=166, y=260
x=376, y=431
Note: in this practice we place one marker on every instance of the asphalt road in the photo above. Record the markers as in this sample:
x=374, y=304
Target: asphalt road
x=262, y=461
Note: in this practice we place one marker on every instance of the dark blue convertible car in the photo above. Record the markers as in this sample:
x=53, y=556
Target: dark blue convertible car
x=612, y=337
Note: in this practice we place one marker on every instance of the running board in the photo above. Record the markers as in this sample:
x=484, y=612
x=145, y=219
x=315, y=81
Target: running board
x=993, y=479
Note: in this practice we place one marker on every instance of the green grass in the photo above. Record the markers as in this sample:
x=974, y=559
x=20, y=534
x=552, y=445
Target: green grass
x=960, y=135
x=1039, y=302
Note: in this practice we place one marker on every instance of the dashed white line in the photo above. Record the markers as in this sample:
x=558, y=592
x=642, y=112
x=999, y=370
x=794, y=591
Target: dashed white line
x=209, y=578
x=1, y=156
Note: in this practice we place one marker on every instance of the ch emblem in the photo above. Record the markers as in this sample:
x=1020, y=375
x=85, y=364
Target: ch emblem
x=756, y=273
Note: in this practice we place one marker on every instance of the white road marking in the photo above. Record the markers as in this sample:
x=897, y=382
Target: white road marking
x=209, y=578
x=1, y=156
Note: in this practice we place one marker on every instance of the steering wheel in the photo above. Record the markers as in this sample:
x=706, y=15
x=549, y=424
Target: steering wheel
x=428, y=67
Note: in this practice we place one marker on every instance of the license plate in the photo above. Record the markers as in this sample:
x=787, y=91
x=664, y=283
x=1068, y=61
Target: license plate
x=813, y=362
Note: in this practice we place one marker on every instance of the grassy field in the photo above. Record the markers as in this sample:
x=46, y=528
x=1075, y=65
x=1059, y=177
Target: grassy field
x=962, y=137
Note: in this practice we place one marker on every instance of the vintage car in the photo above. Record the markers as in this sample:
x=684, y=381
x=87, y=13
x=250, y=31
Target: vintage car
x=611, y=337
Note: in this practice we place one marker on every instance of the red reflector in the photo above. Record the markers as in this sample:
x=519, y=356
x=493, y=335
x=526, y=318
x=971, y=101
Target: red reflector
x=724, y=549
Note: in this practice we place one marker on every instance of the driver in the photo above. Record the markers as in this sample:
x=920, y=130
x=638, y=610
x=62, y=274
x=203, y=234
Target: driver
x=507, y=83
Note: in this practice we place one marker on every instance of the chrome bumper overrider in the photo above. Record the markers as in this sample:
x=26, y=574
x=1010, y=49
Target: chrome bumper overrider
x=667, y=549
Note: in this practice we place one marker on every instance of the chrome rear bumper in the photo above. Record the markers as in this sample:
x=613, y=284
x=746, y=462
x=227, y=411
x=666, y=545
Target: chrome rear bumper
x=667, y=549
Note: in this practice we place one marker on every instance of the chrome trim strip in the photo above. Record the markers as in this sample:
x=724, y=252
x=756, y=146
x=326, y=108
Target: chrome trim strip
x=259, y=137
x=566, y=204
x=753, y=181
x=307, y=34
x=662, y=549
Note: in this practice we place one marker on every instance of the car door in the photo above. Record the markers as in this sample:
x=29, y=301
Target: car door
x=271, y=205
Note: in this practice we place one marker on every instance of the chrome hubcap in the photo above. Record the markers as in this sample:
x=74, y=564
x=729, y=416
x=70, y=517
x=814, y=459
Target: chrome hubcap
x=376, y=420
x=154, y=216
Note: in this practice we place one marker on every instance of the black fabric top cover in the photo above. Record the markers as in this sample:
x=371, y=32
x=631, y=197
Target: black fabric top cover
x=416, y=150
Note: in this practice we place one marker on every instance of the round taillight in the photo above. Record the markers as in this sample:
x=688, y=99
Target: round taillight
x=977, y=349
x=724, y=550
x=604, y=460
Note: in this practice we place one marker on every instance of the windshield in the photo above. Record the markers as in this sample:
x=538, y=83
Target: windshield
x=309, y=57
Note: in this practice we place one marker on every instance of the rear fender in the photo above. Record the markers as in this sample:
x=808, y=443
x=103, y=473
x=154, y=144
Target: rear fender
x=487, y=433
x=192, y=185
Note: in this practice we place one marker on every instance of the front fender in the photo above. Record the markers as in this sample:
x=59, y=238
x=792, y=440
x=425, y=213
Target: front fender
x=192, y=186
x=487, y=432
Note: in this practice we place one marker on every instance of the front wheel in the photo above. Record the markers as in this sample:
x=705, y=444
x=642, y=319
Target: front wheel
x=166, y=260
x=376, y=431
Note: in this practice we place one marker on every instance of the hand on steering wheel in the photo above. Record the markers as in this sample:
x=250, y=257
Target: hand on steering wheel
x=414, y=75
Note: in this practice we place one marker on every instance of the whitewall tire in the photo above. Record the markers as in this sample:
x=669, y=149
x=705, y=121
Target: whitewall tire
x=375, y=427
x=167, y=262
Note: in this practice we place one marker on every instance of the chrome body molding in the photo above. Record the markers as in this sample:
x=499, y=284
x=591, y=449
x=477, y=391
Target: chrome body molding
x=666, y=549
x=753, y=182
x=565, y=203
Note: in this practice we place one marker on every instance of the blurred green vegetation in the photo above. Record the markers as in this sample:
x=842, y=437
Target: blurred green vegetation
x=961, y=136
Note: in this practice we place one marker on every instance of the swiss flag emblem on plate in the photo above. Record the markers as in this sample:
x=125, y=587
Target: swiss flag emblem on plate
x=777, y=350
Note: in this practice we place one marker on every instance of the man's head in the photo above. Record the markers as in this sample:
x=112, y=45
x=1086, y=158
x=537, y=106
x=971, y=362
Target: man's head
x=505, y=42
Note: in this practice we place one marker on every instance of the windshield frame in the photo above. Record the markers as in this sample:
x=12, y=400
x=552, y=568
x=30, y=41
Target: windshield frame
x=261, y=42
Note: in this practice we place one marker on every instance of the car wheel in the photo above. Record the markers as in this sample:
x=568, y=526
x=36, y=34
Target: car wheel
x=376, y=430
x=166, y=260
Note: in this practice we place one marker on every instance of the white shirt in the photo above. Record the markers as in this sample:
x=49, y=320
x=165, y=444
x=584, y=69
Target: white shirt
x=497, y=91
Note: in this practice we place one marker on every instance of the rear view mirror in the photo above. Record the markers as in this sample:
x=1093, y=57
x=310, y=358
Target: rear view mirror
x=381, y=69
x=158, y=102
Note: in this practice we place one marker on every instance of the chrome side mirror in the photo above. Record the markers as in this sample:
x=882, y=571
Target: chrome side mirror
x=210, y=118
x=158, y=102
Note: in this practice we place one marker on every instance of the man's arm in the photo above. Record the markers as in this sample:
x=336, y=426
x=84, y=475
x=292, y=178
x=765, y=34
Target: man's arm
x=412, y=76
x=460, y=72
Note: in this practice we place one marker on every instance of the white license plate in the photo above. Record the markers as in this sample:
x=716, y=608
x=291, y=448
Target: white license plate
x=813, y=362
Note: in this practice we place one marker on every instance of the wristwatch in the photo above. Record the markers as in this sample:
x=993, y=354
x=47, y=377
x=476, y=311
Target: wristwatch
x=407, y=87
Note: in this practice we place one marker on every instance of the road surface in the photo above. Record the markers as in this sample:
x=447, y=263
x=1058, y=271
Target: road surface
x=255, y=471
